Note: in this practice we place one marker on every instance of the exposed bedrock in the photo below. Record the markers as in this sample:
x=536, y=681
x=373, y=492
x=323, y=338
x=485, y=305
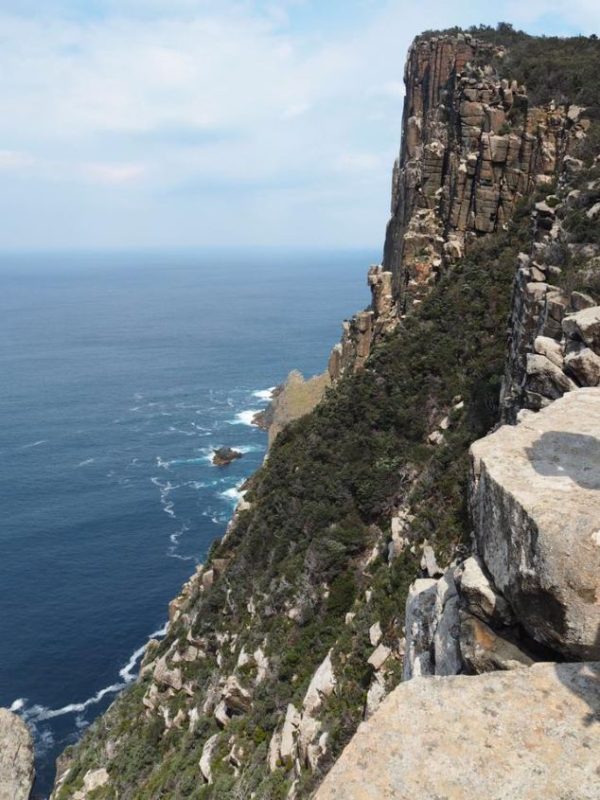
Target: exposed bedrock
x=502, y=735
x=536, y=511
x=16, y=758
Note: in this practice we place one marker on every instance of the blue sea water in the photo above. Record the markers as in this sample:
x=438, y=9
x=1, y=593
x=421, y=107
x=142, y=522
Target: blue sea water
x=119, y=374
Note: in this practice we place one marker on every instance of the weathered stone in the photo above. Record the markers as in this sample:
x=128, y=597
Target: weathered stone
x=483, y=650
x=429, y=563
x=579, y=301
x=287, y=748
x=16, y=757
x=379, y=656
x=375, y=634
x=584, y=324
x=375, y=695
x=322, y=685
x=207, y=756
x=237, y=698
x=536, y=511
x=166, y=676
x=545, y=346
x=92, y=780
x=274, y=751
x=479, y=595
x=531, y=734
x=446, y=650
x=420, y=615
x=545, y=378
x=584, y=365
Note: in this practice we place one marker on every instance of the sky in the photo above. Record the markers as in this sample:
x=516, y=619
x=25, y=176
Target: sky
x=186, y=123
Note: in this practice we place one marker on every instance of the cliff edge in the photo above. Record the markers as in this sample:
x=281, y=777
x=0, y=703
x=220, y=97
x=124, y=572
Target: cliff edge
x=16, y=758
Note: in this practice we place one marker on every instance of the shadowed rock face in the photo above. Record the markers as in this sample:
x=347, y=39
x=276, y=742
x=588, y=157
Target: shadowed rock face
x=498, y=735
x=536, y=510
x=16, y=758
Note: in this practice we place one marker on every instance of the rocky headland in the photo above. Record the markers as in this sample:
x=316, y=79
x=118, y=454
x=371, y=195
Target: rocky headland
x=406, y=602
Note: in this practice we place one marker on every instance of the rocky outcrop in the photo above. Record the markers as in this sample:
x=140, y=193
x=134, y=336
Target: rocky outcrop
x=500, y=735
x=16, y=758
x=363, y=329
x=223, y=456
x=536, y=511
x=296, y=398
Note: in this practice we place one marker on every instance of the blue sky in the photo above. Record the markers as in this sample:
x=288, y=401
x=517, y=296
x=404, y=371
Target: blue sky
x=160, y=123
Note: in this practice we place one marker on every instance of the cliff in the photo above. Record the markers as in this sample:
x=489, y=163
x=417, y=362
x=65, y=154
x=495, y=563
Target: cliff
x=350, y=566
x=16, y=758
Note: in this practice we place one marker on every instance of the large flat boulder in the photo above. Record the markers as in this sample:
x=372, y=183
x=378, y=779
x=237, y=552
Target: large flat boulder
x=531, y=734
x=536, y=511
x=16, y=757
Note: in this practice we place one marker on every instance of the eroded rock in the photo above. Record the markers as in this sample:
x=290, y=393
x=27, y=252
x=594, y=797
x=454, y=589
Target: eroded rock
x=536, y=511
x=16, y=757
x=531, y=734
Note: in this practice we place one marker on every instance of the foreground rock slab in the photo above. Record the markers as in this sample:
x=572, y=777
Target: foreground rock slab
x=531, y=734
x=16, y=758
x=536, y=511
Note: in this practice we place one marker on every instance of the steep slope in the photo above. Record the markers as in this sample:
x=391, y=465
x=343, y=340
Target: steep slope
x=293, y=631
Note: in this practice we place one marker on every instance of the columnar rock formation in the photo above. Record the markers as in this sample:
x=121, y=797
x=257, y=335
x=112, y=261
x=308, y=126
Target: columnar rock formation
x=16, y=758
x=472, y=147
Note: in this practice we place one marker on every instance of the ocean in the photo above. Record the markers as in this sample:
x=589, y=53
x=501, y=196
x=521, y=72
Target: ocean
x=120, y=372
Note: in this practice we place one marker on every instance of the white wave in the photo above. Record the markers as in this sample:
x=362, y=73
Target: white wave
x=38, y=713
x=165, y=489
x=161, y=463
x=244, y=417
x=233, y=495
x=264, y=394
x=173, y=429
x=86, y=462
x=249, y=448
x=33, y=444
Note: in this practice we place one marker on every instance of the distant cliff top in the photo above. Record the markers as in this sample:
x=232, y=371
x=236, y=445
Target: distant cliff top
x=563, y=69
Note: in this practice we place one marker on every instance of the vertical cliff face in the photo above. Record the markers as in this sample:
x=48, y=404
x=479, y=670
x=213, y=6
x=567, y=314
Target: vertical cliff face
x=473, y=146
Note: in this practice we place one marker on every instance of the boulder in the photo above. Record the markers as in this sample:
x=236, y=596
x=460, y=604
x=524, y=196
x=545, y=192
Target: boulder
x=92, y=780
x=530, y=734
x=585, y=325
x=483, y=650
x=16, y=757
x=287, y=747
x=223, y=456
x=584, y=365
x=322, y=685
x=535, y=496
x=479, y=595
x=545, y=346
x=206, y=757
x=379, y=656
x=545, y=378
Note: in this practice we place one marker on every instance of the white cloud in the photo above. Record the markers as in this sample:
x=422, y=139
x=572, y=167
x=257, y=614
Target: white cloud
x=111, y=174
x=14, y=160
x=224, y=119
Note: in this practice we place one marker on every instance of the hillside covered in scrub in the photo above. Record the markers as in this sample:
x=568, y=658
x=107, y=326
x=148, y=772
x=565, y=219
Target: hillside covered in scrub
x=303, y=617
